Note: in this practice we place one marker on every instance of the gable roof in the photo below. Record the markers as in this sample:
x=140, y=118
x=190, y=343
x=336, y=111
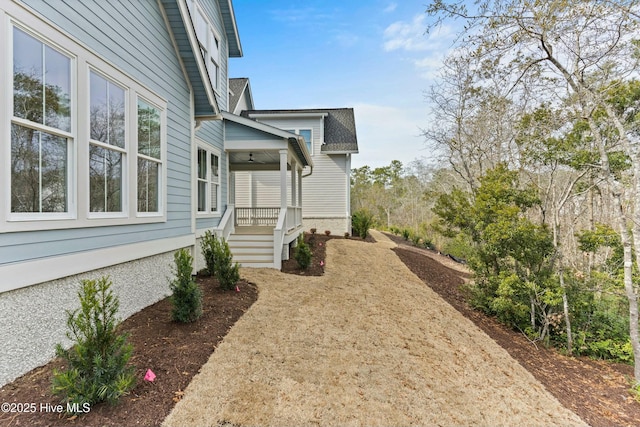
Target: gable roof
x=238, y=86
x=339, y=126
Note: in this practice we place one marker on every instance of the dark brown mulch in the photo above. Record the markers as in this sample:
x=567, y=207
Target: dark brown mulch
x=595, y=390
x=174, y=352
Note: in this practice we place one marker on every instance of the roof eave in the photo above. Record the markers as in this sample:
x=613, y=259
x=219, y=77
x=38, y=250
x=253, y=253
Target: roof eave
x=231, y=28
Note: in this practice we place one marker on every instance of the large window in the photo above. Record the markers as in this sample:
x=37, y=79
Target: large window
x=107, y=149
x=208, y=181
x=87, y=143
x=41, y=140
x=149, y=157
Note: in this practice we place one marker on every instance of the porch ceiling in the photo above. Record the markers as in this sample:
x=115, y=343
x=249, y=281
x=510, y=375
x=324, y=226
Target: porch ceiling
x=259, y=157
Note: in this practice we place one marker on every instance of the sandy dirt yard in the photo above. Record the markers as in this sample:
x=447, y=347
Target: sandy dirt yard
x=366, y=344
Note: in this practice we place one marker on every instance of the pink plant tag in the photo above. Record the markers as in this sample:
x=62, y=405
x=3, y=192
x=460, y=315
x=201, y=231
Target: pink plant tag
x=149, y=376
x=237, y=288
x=321, y=263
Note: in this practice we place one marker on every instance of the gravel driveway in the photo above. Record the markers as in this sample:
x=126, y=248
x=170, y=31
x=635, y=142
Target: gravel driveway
x=366, y=344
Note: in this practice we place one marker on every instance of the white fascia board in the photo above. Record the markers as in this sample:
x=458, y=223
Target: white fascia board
x=286, y=115
x=258, y=125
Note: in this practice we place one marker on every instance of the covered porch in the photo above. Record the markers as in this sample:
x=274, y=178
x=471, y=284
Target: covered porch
x=264, y=214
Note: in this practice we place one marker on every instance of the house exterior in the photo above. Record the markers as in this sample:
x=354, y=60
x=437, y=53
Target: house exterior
x=330, y=135
x=114, y=156
x=122, y=142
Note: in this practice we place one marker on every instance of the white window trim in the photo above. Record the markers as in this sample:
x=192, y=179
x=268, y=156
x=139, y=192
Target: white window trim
x=83, y=60
x=210, y=150
x=126, y=151
x=162, y=191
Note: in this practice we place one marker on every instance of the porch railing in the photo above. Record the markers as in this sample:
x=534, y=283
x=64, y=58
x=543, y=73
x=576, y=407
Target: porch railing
x=256, y=216
x=226, y=226
x=294, y=217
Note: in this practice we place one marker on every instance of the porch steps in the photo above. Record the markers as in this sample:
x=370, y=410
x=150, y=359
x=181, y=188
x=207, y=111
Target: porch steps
x=252, y=250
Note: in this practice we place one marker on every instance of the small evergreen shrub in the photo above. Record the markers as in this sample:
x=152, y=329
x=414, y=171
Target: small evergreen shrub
x=314, y=230
x=303, y=253
x=208, y=244
x=97, y=367
x=187, y=296
x=406, y=233
x=226, y=271
x=327, y=232
x=415, y=238
x=361, y=222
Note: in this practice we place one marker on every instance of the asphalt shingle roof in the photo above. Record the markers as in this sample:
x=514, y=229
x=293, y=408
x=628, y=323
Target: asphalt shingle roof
x=339, y=127
x=236, y=88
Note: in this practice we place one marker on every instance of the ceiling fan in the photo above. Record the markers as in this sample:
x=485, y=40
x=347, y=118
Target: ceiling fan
x=252, y=160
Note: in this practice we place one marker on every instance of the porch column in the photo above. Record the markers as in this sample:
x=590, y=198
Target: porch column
x=300, y=187
x=294, y=183
x=283, y=179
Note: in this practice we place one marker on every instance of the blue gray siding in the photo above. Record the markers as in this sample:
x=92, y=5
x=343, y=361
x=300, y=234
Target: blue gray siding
x=132, y=36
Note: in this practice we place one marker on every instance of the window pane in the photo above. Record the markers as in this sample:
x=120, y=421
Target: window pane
x=41, y=82
x=148, y=185
x=306, y=134
x=202, y=164
x=105, y=180
x=107, y=111
x=215, y=160
x=38, y=171
x=214, y=47
x=27, y=77
x=214, y=197
x=202, y=196
x=201, y=27
x=148, y=130
x=57, y=80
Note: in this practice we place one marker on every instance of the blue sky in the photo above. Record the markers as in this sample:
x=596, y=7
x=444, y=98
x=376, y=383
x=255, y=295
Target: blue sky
x=372, y=55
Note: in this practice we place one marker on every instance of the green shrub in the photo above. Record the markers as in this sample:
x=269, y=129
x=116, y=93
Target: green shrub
x=303, y=253
x=97, y=367
x=208, y=244
x=362, y=221
x=406, y=233
x=415, y=238
x=226, y=271
x=187, y=296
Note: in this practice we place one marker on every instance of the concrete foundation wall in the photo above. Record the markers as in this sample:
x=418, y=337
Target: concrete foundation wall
x=33, y=319
x=337, y=226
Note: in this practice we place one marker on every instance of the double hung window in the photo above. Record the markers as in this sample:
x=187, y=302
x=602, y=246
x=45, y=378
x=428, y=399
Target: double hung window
x=41, y=138
x=208, y=181
x=107, y=144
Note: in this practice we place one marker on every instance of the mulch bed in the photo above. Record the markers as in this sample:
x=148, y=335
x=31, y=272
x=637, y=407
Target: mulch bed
x=595, y=390
x=174, y=352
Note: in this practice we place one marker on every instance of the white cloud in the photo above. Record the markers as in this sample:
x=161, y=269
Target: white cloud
x=406, y=35
x=390, y=8
x=429, y=67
